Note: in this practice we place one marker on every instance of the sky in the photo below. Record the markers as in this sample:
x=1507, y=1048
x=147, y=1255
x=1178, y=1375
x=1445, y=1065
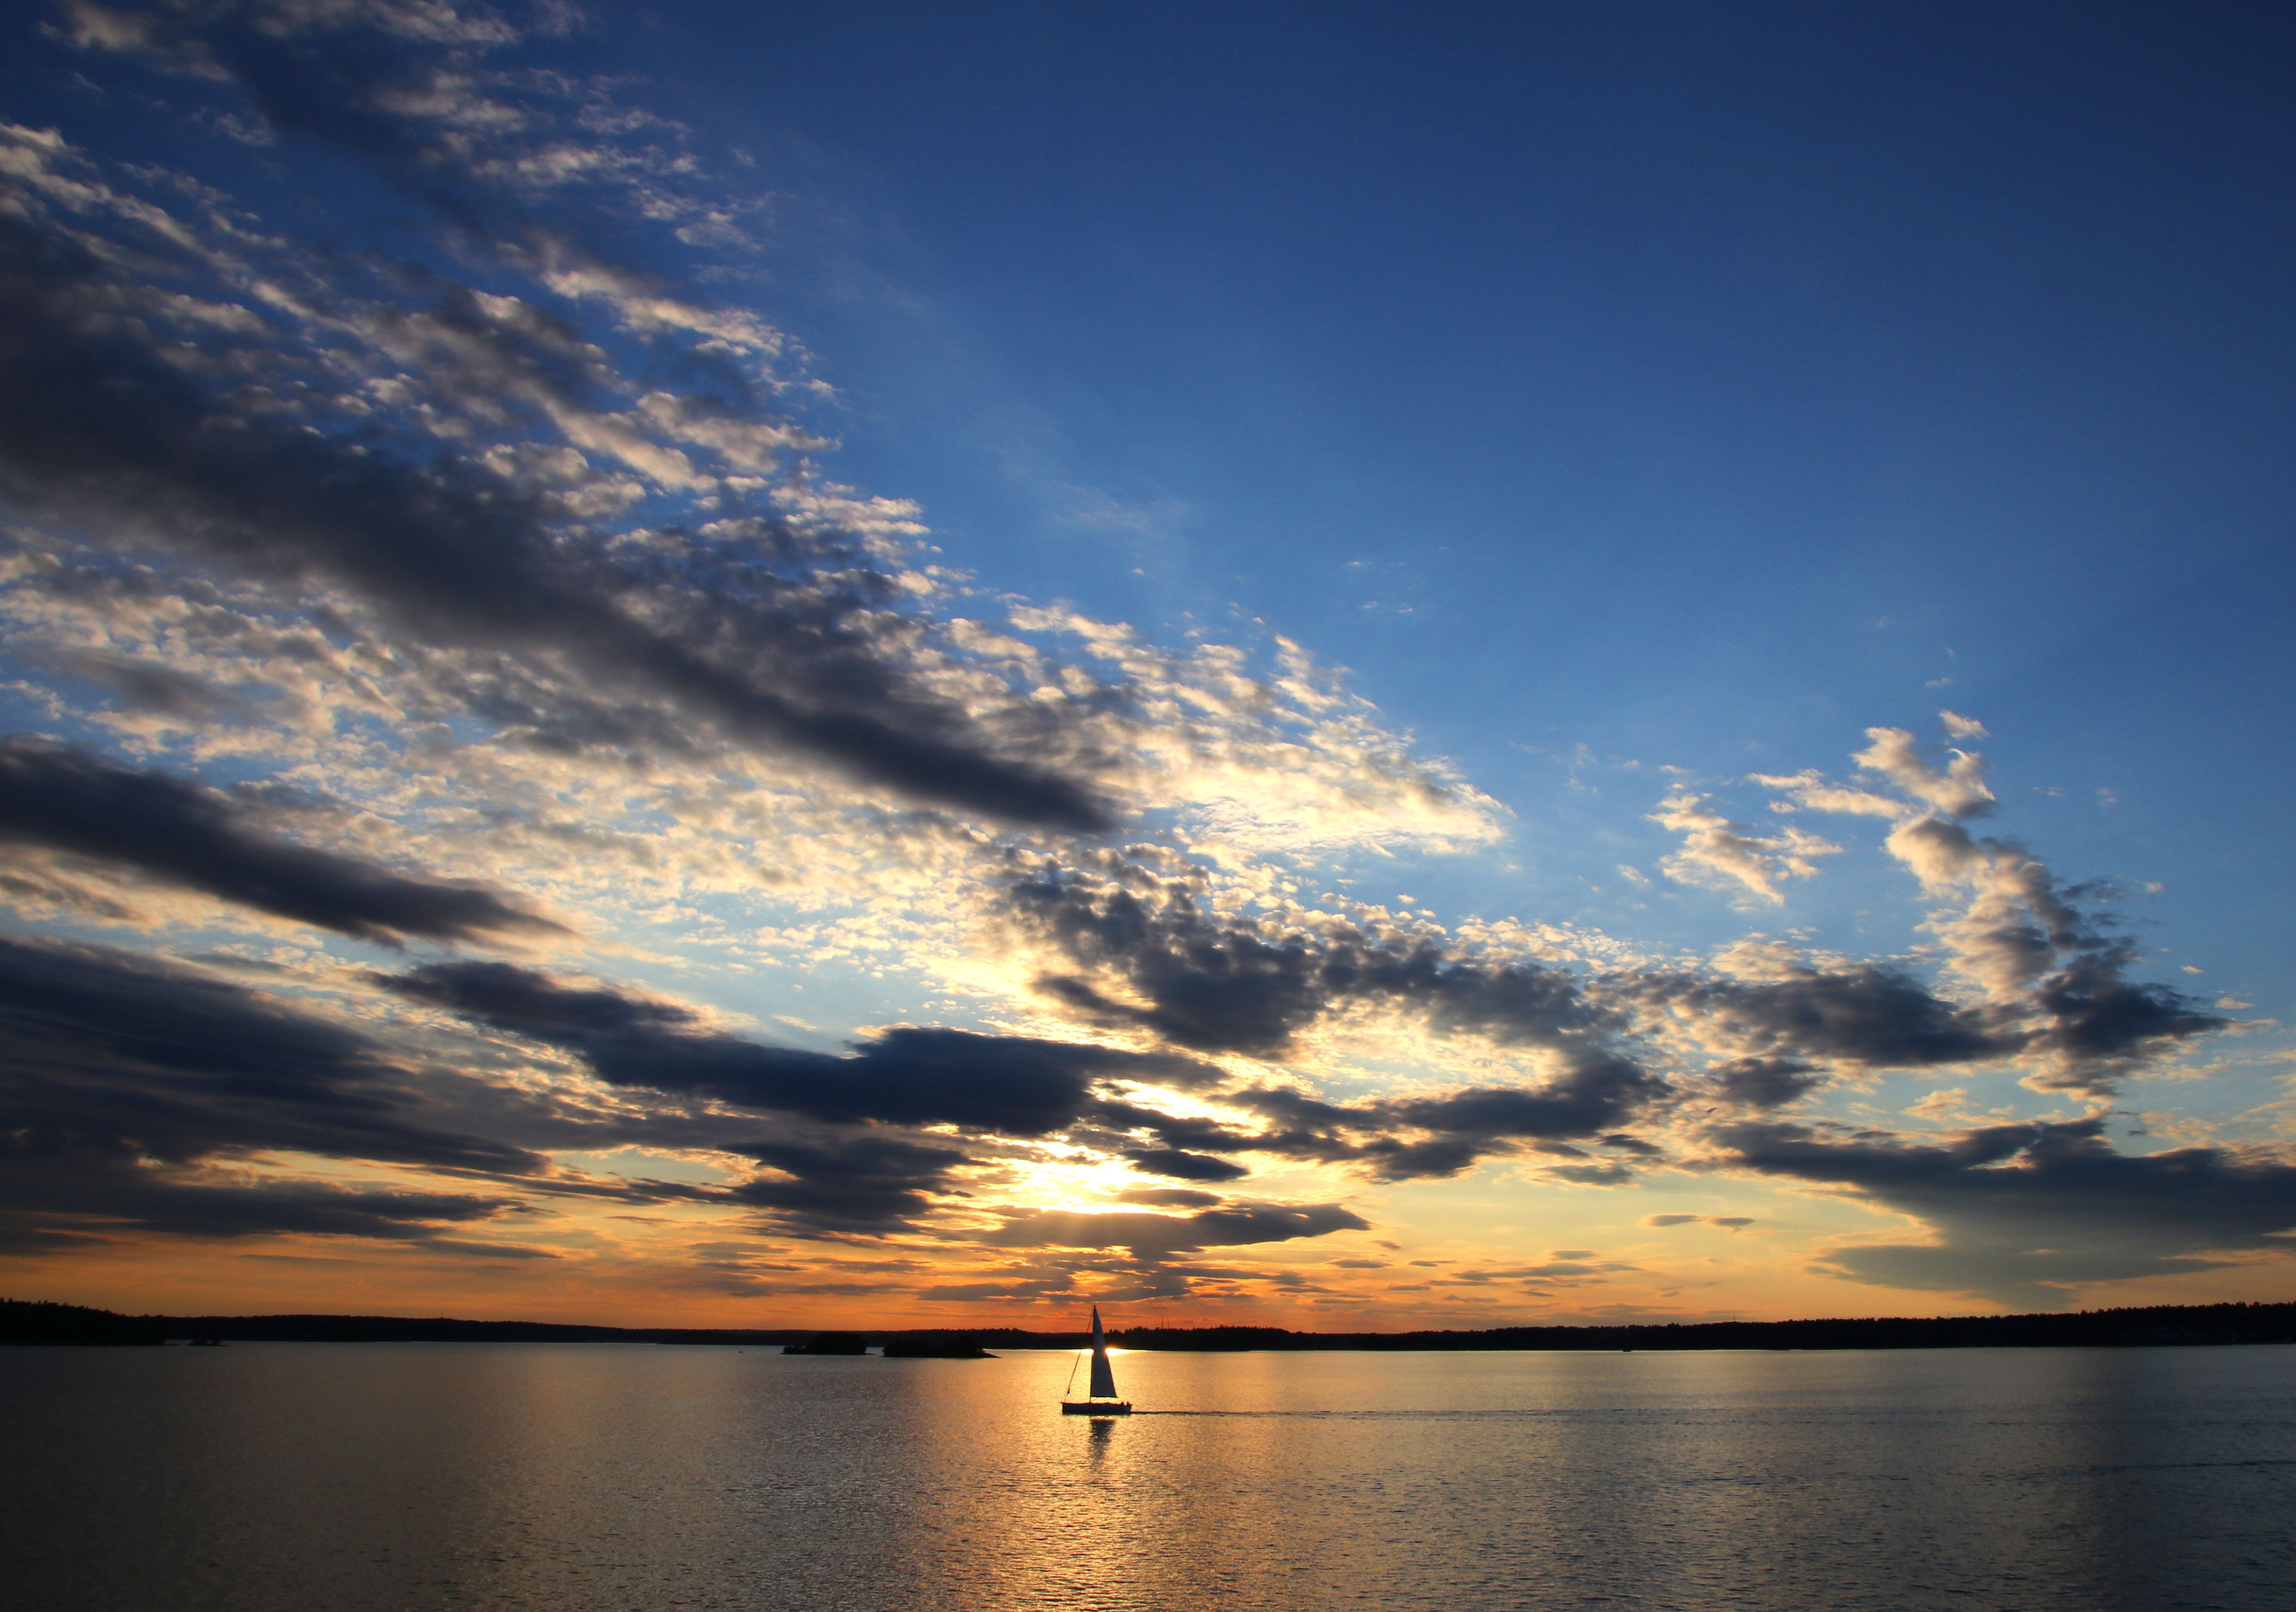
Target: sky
x=1351, y=666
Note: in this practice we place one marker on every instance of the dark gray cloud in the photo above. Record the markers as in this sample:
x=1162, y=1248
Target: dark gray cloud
x=1626, y=1143
x=1302, y=1126
x=121, y=1077
x=1865, y=1014
x=2086, y=1021
x=861, y=1184
x=1218, y=984
x=107, y=1050
x=1408, y=1139
x=130, y=1088
x=1182, y=1165
x=1122, y=1118
x=179, y=833
x=1168, y=1198
x=1452, y=1132
x=1584, y=1101
x=215, y=449
x=349, y=81
x=2101, y=1025
x=2055, y=973
x=1763, y=1082
x=406, y=89
x=61, y=1202
x=1609, y=1173
x=1396, y=1139
x=143, y=686
x=1149, y=951
x=2025, y=1213
x=1153, y=1237
x=1016, y=1085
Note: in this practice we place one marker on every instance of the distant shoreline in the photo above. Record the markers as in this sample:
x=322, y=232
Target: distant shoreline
x=23, y=1321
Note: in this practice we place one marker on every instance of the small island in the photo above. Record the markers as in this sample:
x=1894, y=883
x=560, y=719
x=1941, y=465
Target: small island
x=829, y=1343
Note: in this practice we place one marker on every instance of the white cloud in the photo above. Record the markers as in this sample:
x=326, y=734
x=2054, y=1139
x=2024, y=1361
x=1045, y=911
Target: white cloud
x=1958, y=790
x=1720, y=853
x=1809, y=791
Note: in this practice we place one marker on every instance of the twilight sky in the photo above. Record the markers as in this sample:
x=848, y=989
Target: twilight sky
x=1352, y=666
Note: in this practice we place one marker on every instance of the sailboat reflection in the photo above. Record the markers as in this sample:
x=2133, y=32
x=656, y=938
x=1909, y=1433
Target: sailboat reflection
x=1102, y=1401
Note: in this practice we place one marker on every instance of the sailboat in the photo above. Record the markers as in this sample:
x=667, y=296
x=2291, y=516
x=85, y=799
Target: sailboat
x=1103, y=1399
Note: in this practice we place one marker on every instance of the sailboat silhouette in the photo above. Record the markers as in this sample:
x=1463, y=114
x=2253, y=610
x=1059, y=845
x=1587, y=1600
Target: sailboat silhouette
x=1103, y=1399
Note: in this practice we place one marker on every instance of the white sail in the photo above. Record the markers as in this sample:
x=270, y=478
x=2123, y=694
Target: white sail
x=1103, y=1380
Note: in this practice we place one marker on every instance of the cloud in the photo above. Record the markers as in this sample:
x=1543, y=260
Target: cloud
x=141, y=686
x=1589, y=1099
x=1716, y=850
x=1267, y=752
x=1404, y=1138
x=791, y=645
x=1763, y=1082
x=2042, y=962
x=1865, y=1015
x=1168, y=1198
x=582, y=559
x=1809, y=791
x=1139, y=945
x=1151, y=1237
x=1147, y=947
x=178, y=833
x=1012, y=1084
x=2053, y=981
x=401, y=84
x=128, y=1052
x=128, y=1083
x=1610, y=1174
x=1184, y=1166
x=1202, y=1132
x=145, y=1095
x=1958, y=790
x=2025, y=1214
x=57, y=1205
x=853, y=1183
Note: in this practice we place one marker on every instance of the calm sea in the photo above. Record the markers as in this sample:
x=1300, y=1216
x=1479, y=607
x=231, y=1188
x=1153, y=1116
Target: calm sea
x=588, y=1477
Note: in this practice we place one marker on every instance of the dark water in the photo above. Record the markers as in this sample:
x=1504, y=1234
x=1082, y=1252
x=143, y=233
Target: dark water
x=587, y=1478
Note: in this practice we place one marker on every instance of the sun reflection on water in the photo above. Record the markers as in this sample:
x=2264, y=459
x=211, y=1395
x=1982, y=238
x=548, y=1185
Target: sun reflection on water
x=537, y=1478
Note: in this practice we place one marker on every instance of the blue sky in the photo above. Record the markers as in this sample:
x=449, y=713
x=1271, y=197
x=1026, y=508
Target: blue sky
x=1691, y=379
x=1451, y=566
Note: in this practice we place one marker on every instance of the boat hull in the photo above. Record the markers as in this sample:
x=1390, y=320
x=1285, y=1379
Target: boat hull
x=1088, y=1407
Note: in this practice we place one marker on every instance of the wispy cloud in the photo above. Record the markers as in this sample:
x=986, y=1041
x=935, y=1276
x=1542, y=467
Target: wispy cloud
x=149, y=825
x=1717, y=852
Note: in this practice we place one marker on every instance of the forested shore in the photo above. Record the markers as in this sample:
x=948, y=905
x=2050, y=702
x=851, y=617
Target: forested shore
x=23, y=1321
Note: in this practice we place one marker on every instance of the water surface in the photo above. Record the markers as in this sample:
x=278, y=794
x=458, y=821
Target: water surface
x=345, y=1478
